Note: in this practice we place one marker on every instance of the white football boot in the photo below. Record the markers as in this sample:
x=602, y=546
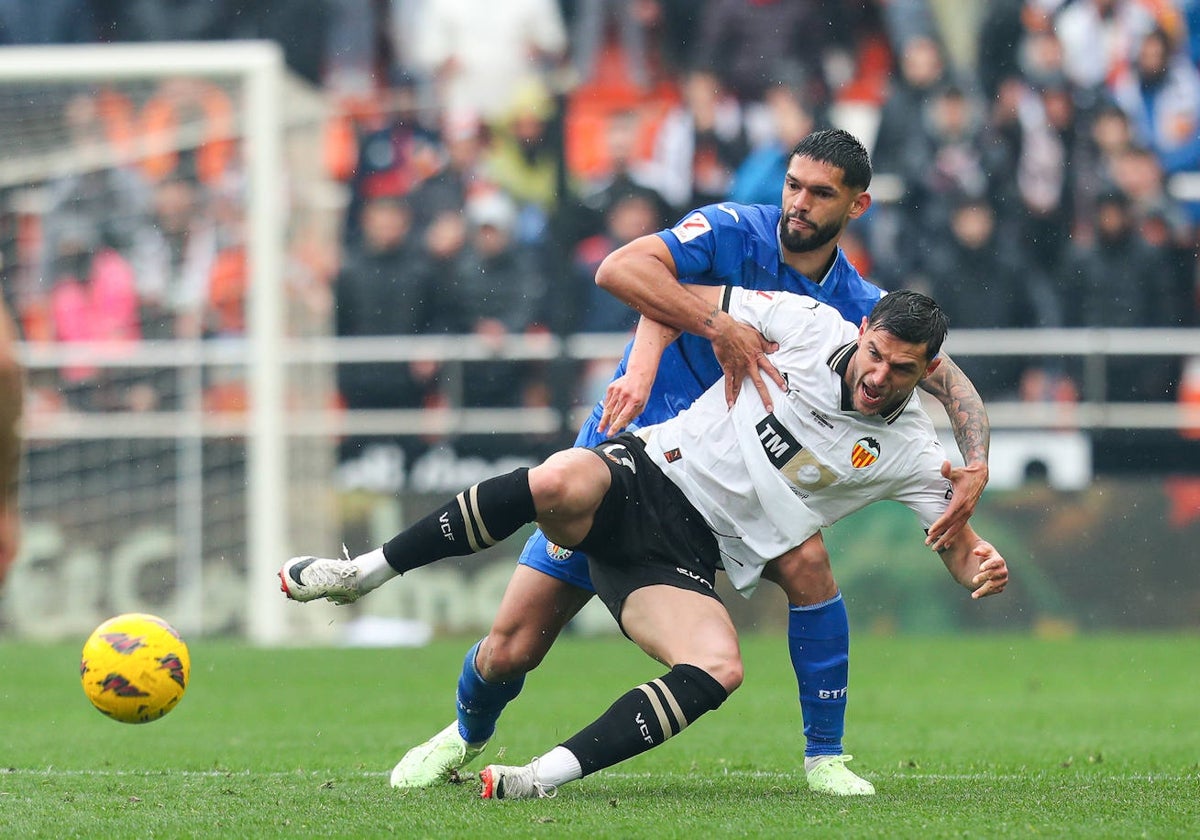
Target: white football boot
x=829, y=774
x=310, y=578
x=503, y=782
x=436, y=760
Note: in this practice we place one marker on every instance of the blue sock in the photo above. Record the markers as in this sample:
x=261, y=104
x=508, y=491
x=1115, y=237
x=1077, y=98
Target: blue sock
x=480, y=702
x=819, y=643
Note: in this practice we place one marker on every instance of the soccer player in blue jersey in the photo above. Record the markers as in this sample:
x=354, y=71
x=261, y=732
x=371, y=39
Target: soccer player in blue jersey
x=792, y=247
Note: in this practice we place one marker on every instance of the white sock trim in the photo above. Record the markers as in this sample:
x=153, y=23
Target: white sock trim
x=373, y=570
x=558, y=767
x=811, y=607
x=812, y=762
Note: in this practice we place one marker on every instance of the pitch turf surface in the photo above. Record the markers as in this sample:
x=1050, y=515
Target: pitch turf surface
x=978, y=737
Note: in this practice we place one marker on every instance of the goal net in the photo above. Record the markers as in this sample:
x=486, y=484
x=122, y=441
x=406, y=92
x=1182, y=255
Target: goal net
x=164, y=225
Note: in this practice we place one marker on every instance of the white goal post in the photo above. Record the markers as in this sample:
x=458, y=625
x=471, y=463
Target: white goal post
x=258, y=69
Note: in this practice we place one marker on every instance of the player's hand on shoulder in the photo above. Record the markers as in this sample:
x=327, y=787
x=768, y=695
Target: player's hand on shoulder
x=993, y=571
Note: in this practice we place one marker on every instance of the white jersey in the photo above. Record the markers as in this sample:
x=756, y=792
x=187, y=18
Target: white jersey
x=765, y=482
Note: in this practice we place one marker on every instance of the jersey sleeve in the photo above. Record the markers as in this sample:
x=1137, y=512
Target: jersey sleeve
x=707, y=244
x=924, y=490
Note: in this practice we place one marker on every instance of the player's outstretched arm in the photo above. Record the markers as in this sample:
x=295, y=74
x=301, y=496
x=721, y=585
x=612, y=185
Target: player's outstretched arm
x=976, y=564
x=972, y=432
x=626, y=396
x=642, y=273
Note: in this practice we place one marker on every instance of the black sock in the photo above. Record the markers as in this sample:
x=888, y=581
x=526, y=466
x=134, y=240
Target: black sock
x=475, y=519
x=645, y=717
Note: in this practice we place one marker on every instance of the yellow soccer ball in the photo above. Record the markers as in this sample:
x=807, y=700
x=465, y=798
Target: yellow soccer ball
x=135, y=668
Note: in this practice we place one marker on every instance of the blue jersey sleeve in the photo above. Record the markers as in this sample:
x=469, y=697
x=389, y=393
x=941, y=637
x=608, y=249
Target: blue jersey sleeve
x=711, y=244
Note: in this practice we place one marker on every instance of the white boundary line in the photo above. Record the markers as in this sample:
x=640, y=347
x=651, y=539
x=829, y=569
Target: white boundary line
x=750, y=774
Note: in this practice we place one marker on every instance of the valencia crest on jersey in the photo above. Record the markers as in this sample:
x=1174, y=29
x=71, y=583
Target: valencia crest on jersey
x=865, y=453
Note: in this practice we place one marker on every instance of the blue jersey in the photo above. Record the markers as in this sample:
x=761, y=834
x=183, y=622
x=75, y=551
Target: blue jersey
x=718, y=245
x=736, y=245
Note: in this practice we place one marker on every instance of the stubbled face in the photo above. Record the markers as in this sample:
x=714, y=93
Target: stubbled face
x=816, y=205
x=884, y=371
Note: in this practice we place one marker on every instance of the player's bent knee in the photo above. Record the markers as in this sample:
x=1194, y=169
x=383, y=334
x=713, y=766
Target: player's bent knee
x=554, y=484
x=547, y=483
x=804, y=573
x=728, y=671
x=811, y=562
x=501, y=664
x=505, y=656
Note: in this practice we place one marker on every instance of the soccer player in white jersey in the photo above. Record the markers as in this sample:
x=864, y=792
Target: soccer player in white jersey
x=659, y=510
x=791, y=246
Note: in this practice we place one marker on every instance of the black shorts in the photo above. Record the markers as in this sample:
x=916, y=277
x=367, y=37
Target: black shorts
x=645, y=531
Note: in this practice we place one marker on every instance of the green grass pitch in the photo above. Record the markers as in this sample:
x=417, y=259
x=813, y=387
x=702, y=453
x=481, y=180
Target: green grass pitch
x=984, y=736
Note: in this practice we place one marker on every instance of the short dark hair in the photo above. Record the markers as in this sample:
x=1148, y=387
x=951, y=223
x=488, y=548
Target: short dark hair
x=912, y=317
x=841, y=149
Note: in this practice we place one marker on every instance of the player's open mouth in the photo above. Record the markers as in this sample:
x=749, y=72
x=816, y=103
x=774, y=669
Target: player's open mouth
x=797, y=222
x=870, y=397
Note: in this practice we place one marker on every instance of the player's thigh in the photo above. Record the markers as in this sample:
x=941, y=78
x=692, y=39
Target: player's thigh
x=804, y=573
x=680, y=626
x=567, y=489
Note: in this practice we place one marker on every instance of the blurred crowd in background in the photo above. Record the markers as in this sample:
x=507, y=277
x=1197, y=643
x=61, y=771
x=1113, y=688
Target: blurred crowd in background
x=1037, y=165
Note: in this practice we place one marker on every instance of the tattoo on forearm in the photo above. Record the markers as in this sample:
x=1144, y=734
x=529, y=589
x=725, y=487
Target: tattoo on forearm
x=964, y=407
x=972, y=432
x=712, y=317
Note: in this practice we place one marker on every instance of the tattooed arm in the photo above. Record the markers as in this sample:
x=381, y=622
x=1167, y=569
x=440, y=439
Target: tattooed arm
x=972, y=432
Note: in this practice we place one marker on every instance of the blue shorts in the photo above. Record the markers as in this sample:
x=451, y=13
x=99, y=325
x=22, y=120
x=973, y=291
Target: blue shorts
x=554, y=560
